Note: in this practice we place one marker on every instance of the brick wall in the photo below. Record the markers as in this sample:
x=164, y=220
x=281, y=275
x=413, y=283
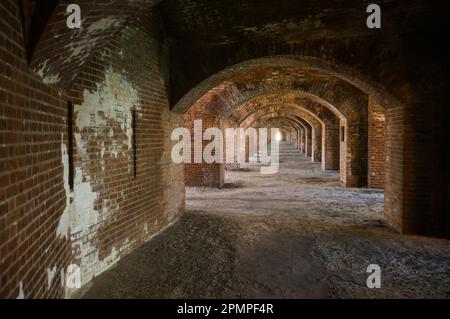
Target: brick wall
x=125, y=187
x=124, y=177
x=33, y=129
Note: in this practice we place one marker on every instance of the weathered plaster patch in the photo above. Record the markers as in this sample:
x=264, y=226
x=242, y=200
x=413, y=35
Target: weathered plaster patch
x=80, y=52
x=113, y=101
x=21, y=293
x=104, y=117
x=84, y=214
x=104, y=24
x=379, y=116
x=63, y=225
x=47, y=78
x=51, y=272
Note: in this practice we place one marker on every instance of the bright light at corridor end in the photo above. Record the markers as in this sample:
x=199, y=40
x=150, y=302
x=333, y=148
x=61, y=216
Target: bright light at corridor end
x=278, y=137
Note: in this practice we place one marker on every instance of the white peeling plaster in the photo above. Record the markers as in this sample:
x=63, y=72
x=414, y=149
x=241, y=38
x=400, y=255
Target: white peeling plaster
x=146, y=228
x=379, y=116
x=104, y=24
x=51, y=272
x=80, y=52
x=110, y=104
x=21, y=294
x=63, y=225
x=114, y=99
x=47, y=78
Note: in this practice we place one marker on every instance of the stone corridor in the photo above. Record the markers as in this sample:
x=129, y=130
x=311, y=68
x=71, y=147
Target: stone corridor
x=296, y=234
x=127, y=129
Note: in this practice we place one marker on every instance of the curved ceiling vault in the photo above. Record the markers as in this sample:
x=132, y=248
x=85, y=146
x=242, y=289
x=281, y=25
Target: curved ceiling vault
x=337, y=87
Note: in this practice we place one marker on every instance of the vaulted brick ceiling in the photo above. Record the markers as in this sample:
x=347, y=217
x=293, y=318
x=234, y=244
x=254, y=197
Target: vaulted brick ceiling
x=219, y=22
x=207, y=36
x=60, y=52
x=210, y=35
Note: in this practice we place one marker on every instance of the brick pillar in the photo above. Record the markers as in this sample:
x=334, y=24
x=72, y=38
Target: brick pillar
x=302, y=141
x=353, y=149
x=247, y=149
x=202, y=174
x=316, y=145
x=294, y=138
x=415, y=193
x=308, y=142
x=330, y=152
x=228, y=144
x=376, y=142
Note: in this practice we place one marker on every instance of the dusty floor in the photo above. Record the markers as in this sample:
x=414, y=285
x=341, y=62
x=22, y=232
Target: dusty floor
x=296, y=234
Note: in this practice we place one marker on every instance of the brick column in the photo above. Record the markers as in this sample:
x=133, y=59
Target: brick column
x=330, y=152
x=376, y=142
x=353, y=148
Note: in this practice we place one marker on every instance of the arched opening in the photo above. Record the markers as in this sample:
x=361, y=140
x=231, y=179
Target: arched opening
x=91, y=168
x=347, y=108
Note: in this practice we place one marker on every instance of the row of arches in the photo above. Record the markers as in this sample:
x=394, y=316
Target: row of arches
x=362, y=81
x=328, y=111
x=330, y=114
x=88, y=114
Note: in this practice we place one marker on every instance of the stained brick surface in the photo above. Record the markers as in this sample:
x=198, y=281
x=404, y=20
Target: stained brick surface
x=371, y=103
x=35, y=246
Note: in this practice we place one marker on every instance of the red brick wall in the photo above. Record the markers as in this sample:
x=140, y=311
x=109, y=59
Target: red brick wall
x=137, y=189
x=376, y=145
x=123, y=194
x=32, y=197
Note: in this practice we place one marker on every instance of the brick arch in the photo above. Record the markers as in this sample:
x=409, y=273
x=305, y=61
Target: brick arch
x=296, y=121
x=307, y=103
x=222, y=92
x=292, y=85
x=295, y=132
x=306, y=63
x=286, y=125
x=351, y=111
x=277, y=121
x=233, y=98
x=301, y=124
x=329, y=127
x=300, y=116
x=334, y=117
x=342, y=106
x=304, y=140
x=313, y=124
x=304, y=130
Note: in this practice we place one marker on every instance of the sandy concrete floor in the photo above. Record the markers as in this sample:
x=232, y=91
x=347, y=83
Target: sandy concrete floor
x=296, y=234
